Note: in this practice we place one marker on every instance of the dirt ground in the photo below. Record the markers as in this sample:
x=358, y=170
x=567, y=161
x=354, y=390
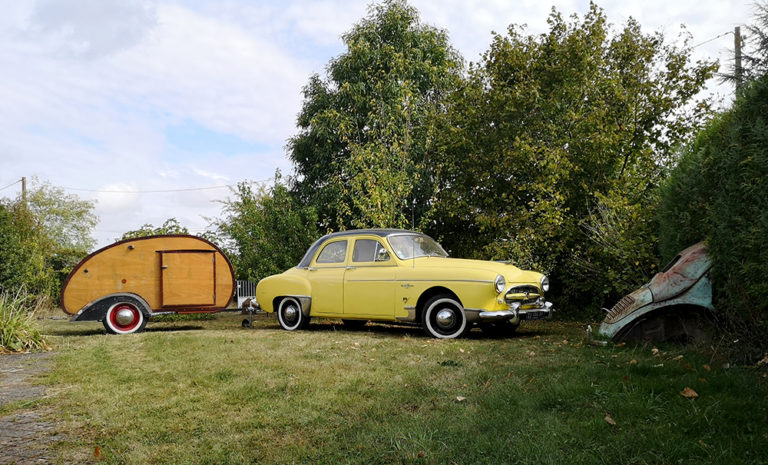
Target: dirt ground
x=26, y=435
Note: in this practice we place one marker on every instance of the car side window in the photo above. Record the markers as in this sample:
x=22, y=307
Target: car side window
x=366, y=250
x=335, y=252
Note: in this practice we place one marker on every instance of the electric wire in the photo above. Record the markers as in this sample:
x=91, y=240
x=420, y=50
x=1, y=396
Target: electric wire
x=713, y=38
x=9, y=185
x=160, y=191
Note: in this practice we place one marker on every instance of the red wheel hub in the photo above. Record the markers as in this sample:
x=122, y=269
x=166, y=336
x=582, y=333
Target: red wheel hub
x=125, y=317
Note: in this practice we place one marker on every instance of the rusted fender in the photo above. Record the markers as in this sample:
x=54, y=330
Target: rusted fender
x=684, y=282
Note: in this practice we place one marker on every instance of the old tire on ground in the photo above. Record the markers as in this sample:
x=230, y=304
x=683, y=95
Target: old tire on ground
x=444, y=318
x=499, y=329
x=354, y=324
x=124, y=318
x=290, y=316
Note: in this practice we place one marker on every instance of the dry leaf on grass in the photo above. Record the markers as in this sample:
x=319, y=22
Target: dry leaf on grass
x=707, y=367
x=461, y=398
x=609, y=420
x=689, y=393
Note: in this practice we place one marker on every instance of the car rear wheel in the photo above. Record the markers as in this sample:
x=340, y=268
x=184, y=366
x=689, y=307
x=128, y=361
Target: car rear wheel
x=444, y=318
x=290, y=316
x=124, y=318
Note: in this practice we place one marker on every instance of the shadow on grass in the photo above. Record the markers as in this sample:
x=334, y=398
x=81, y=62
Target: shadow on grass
x=418, y=331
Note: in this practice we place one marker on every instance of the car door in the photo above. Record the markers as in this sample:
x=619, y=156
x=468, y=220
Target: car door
x=326, y=275
x=369, y=287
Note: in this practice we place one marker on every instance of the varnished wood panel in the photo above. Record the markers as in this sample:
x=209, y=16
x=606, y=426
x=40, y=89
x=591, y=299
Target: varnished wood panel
x=188, y=278
x=134, y=266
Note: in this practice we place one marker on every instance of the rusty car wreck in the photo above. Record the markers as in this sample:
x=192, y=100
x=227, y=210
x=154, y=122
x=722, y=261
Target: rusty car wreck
x=676, y=305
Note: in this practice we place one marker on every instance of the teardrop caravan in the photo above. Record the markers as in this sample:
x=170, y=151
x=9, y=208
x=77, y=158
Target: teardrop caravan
x=125, y=284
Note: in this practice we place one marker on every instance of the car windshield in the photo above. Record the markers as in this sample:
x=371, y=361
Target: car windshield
x=408, y=246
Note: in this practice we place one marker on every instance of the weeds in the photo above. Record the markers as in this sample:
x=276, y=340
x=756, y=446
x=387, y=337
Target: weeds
x=18, y=332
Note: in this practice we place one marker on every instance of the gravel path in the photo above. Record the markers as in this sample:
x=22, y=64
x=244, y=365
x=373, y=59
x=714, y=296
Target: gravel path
x=25, y=435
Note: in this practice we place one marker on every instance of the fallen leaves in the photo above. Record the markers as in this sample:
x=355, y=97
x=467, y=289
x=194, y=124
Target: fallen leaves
x=608, y=419
x=461, y=399
x=689, y=393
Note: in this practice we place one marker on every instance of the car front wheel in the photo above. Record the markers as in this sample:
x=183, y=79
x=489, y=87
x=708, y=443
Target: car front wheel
x=290, y=316
x=444, y=318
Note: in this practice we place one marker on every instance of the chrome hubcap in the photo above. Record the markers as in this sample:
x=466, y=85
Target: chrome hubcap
x=445, y=318
x=124, y=316
x=291, y=314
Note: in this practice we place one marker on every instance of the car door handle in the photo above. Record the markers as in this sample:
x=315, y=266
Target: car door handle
x=351, y=267
x=311, y=269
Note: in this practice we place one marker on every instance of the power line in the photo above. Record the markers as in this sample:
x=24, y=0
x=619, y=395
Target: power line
x=11, y=184
x=159, y=191
x=713, y=38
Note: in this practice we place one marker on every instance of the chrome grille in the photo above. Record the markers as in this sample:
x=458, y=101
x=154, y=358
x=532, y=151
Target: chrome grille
x=532, y=294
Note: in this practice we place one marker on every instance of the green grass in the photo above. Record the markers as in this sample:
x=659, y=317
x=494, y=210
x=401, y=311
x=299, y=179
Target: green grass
x=18, y=330
x=212, y=392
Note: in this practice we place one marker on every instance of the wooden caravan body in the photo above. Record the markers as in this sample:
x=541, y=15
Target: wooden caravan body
x=126, y=283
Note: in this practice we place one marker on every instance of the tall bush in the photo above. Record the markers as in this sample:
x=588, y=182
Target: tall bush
x=719, y=193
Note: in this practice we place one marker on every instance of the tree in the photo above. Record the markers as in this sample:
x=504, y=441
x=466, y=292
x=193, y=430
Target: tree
x=556, y=134
x=170, y=226
x=23, y=257
x=43, y=238
x=265, y=231
x=366, y=133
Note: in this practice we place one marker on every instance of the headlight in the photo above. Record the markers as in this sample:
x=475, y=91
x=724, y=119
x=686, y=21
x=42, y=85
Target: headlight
x=500, y=284
x=544, y=283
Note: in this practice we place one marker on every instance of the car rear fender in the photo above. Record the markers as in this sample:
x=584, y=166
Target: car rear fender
x=270, y=290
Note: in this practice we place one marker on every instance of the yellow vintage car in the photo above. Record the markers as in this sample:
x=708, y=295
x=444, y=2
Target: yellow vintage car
x=402, y=276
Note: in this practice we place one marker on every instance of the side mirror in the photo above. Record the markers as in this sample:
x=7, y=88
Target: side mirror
x=382, y=255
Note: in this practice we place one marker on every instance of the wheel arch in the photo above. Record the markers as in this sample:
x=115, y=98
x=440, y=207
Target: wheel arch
x=97, y=310
x=428, y=294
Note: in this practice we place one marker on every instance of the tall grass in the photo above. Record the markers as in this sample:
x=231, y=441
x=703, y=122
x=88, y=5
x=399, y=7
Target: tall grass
x=18, y=331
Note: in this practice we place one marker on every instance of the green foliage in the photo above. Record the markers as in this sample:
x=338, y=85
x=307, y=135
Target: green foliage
x=265, y=231
x=23, y=252
x=42, y=239
x=719, y=193
x=18, y=332
x=367, y=132
x=170, y=226
x=553, y=128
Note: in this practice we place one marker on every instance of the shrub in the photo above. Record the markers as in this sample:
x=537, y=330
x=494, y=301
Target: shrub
x=719, y=193
x=18, y=331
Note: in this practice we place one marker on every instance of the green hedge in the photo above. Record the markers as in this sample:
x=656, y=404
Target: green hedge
x=719, y=193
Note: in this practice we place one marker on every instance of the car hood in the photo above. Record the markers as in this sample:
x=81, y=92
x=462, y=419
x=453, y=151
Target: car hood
x=510, y=272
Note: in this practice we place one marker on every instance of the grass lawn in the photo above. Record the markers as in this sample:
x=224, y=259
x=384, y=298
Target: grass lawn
x=213, y=392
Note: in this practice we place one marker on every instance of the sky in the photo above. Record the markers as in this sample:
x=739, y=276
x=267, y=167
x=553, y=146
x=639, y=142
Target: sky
x=131, y=103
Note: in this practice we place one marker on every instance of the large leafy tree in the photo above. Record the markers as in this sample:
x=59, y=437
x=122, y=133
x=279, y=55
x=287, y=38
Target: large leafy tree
x=42, y=237
x=554, y=148
x=265, y=231
x=366, y=131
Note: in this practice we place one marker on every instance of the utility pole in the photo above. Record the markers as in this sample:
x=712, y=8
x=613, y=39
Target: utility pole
x=24, y=190
x=737, y=49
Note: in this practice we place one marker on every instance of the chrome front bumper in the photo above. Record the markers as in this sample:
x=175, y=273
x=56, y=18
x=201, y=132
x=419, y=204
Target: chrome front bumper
x=515, y=314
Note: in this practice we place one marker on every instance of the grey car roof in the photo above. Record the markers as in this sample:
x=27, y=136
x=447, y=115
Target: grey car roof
x=353, y=232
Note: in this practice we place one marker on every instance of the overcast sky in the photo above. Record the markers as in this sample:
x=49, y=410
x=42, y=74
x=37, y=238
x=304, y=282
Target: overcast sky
x=123, y=96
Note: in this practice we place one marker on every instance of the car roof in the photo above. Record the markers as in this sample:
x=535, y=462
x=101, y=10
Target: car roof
x=375, y=232
x=352, y=232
